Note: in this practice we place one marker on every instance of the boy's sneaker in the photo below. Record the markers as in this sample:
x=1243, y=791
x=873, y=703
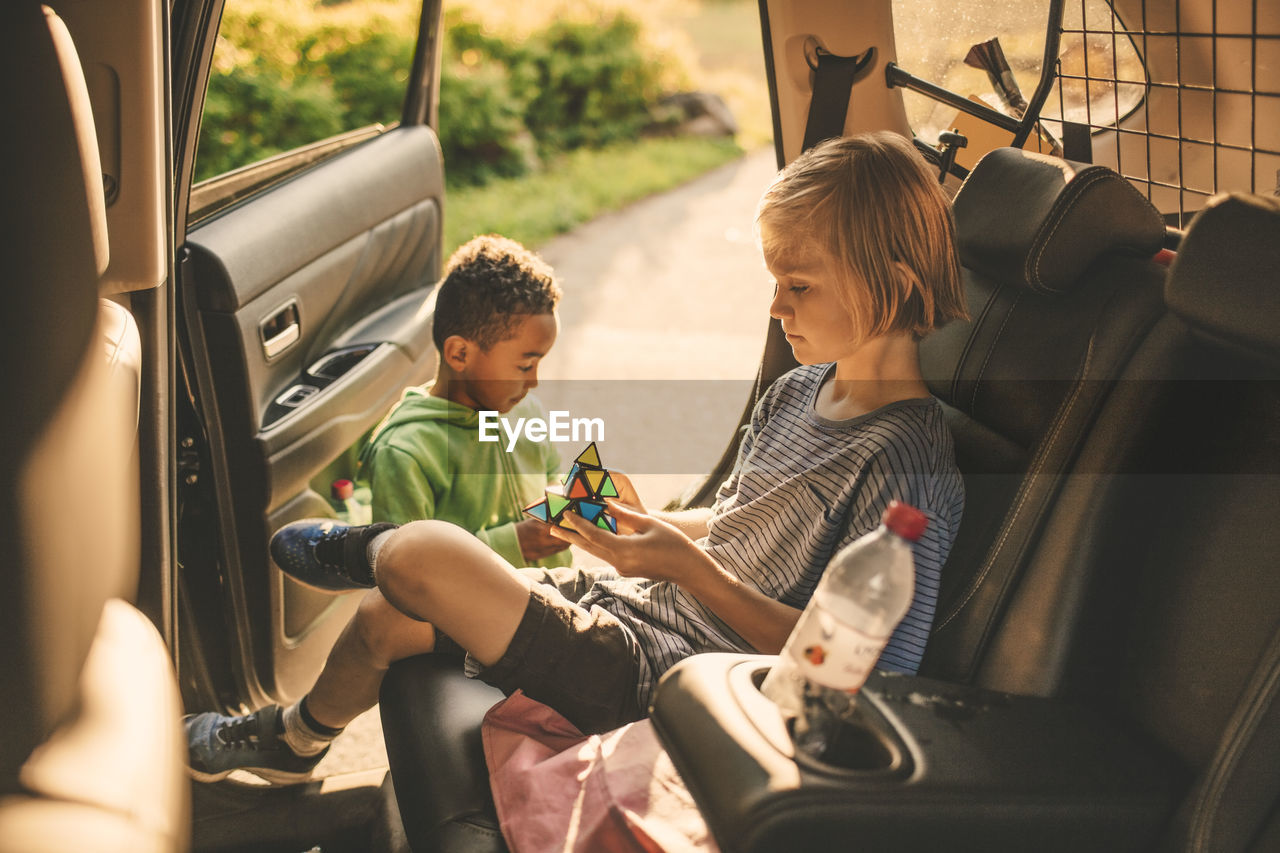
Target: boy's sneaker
x=325, y=553
x=217, y=745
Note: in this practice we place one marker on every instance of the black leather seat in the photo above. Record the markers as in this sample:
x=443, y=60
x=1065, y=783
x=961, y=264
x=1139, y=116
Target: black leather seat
x=1056, y=258
x=1180, y=635
x=92, y=754
x=431, y=717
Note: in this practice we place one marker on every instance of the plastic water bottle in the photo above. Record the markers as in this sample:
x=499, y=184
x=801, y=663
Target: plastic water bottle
x=861, y=598
x=350, y=508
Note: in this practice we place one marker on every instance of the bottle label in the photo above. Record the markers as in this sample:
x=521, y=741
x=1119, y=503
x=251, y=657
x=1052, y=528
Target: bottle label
x=833, y=653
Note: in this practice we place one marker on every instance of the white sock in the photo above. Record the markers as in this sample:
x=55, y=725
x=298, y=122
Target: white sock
x=300, y=737
x=374, y=546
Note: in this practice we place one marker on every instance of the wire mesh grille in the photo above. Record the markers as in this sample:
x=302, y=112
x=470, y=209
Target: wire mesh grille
x=1207, y=94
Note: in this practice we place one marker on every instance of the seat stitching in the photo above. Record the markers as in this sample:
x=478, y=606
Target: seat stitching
x=1065, y=201
x=1027, y=485
x=1057, y=215
x=1243, y=726
x=973, y=400
x=968, y=346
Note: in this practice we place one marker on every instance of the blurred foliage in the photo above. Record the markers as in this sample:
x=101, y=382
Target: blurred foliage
x=482, y=128
x=251, y=112
x=295, y=72
x=586, y=83
x=367, y=77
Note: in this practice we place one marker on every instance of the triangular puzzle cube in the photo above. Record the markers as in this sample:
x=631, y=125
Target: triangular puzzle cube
x=583, y=491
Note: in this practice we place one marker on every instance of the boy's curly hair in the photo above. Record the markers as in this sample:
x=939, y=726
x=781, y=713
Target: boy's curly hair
x=490, y=283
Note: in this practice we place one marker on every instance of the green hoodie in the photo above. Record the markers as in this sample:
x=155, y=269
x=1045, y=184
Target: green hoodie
x=425, y=460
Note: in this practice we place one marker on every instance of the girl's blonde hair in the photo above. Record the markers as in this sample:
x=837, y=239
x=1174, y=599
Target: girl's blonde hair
x=872, y=204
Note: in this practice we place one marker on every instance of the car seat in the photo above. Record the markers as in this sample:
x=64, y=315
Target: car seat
x=1057, y=265
x=1180, y=635
x=92, y=756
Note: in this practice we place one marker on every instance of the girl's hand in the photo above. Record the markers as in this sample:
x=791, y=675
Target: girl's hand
x=650, y=547
x=644, y=546
x=627, y=493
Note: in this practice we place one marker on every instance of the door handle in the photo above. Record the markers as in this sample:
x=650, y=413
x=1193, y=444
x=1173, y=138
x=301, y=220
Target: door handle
x=281, y=330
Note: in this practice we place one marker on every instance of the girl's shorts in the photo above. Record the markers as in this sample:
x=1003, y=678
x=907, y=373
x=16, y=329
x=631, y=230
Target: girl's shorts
x=580, y=661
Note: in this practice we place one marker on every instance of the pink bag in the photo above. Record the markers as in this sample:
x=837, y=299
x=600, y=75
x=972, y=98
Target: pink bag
x=559, y=790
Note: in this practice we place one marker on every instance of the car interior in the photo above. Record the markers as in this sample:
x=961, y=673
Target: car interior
x=191, y=362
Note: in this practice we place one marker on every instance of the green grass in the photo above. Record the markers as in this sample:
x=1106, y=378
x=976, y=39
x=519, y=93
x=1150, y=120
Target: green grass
x=578, y=187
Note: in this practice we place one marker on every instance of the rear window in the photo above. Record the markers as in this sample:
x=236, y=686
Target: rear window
x=934, y=37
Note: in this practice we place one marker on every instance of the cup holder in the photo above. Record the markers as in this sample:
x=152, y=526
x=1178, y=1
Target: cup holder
x=865, y=746
x=856, y=746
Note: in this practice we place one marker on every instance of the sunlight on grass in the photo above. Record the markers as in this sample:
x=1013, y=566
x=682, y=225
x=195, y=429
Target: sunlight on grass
x=577, y=188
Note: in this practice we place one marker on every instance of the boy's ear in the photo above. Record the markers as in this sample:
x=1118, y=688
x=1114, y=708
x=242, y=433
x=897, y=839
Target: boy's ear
x=457, y=352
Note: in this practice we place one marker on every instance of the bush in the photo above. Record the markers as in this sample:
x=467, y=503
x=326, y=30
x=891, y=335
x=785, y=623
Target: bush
x=585, y=82
x=251, y=113
x=285, y=80
x=482, y=130
x=569, y=85
x=368, y=76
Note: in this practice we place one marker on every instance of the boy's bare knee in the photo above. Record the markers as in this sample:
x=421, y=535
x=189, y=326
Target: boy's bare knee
x=416, y=555
x=374, y=623
x=416, y=548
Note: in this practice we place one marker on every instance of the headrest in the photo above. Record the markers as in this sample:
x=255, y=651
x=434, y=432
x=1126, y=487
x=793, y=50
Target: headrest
x=84, y=139
x=52, y=214
x=1041, y=221
x=1225, y=281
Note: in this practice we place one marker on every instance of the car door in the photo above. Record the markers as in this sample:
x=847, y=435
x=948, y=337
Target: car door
x=302, y=312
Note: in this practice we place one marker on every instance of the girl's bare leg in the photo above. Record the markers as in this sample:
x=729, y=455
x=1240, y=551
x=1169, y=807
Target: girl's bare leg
x=377, y=636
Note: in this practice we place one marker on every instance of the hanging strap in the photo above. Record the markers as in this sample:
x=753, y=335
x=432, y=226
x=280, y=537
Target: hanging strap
x=833, y=79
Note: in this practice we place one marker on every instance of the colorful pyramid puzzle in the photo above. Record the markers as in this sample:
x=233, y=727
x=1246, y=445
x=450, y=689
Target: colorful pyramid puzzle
x=583, y=491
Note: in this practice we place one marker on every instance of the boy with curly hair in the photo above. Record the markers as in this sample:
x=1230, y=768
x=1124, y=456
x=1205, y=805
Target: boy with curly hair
x=495, y=319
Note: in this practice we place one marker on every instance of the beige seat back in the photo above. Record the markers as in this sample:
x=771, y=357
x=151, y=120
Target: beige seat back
x=92, y=754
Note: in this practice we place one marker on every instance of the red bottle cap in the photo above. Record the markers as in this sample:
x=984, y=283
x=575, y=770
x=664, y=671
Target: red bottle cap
x=342, y=489
x=905, y=520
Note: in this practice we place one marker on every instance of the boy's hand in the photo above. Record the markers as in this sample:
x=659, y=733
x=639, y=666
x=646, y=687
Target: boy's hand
x=644, y=546
x=535, y=540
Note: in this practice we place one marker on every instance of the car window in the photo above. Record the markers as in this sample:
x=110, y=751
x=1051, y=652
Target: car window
x=295, y=82
x=935, y=36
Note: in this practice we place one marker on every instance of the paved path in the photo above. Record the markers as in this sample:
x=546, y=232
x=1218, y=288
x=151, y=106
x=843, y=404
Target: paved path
x=670, y=288
x=663, y=319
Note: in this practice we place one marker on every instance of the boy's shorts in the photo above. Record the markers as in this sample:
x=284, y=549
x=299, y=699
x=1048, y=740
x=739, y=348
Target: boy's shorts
x=580, y=661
